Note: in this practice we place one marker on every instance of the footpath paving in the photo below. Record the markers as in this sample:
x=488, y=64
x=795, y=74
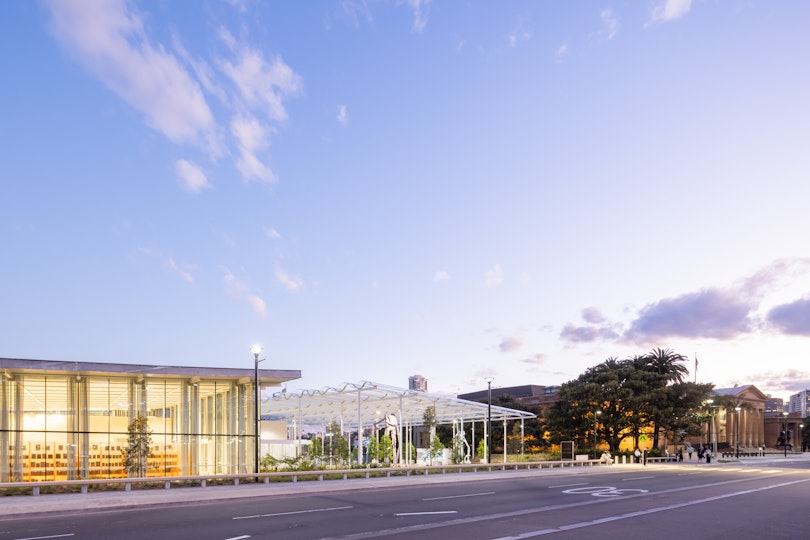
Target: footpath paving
x=19, y=505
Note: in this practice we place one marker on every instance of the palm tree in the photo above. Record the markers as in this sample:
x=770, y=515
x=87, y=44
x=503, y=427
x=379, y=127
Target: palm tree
x=668, y=364
x=668, y=367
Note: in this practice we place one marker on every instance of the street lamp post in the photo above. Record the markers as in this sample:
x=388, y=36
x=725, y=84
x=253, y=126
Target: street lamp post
x=737, y=435
x=711, y=421
x=487, y=444
x=256, y=350
x=596, y=413
x=785, y=440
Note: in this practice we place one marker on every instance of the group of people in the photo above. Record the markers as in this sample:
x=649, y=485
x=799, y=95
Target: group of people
x=703, y=452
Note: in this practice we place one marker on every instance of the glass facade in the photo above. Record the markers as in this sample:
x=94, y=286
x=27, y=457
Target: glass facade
x=65, y=426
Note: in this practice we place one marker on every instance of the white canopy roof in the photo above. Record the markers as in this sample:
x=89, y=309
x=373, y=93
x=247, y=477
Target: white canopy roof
x=367, y=403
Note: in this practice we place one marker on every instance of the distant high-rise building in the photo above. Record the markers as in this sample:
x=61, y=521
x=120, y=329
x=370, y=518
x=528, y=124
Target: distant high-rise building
x=800, y=402
x=418, y=383
x=774, y=407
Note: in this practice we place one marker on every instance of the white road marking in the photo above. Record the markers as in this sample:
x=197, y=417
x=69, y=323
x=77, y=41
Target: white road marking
x=296, y=512
x=239, y=537
x=602, y=491
x=569, y=485
x=460, y=496
x=426, y=513
x=415, y=529
x=636, y=478
x=44, y=537
x=600, y=521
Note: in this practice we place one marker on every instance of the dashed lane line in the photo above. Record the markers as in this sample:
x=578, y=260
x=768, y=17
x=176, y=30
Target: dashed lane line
x=460, y=496
x=313, y=510
x=427, y=513
x=46, y=537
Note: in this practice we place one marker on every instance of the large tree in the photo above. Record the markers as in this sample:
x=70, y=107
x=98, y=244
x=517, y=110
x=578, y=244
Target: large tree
x=609, y=388
x=621, y=398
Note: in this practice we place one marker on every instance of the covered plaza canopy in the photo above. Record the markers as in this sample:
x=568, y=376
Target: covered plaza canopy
x=365, y=405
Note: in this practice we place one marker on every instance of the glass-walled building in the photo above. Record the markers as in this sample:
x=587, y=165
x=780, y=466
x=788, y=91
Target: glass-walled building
x=69, y=420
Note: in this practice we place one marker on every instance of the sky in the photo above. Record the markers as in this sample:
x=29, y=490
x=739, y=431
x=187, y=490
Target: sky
x=377, y=189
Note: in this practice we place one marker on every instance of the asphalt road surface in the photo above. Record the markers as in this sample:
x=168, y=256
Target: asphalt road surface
x=668, y=501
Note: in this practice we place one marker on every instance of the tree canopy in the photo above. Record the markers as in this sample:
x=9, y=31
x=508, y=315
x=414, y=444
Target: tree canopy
x=623, y=398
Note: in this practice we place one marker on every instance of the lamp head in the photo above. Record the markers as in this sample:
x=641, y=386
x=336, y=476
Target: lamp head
x=256, y=350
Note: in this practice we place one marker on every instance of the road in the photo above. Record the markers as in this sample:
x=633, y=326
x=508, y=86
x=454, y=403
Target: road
x=667, y=501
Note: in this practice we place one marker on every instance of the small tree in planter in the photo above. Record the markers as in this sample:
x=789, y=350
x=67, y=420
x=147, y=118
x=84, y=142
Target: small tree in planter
x=482, y=449
x=385, y=450
x=436, y=449
x=136, y=453
x=373, y=450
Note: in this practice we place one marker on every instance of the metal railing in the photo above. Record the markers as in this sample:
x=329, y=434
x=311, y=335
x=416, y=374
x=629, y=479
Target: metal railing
x=292, y=476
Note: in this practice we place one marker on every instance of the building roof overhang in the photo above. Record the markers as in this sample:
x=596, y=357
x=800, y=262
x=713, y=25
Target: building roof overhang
x=267, y=377
x=366, y=403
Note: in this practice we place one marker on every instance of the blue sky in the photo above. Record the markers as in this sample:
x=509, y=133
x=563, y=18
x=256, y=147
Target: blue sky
x=378, y=189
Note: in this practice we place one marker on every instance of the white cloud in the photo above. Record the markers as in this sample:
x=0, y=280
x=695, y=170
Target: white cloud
x=511, y=343
x=420, y=9
x=441, y=275
x=670, y=10
x=258, y=305
x=239, y=290
x=610, y=24
x=187, y=277
x=169, y=86
x=535, y=359
x=251, y=137
x=108, y=38
x=272, y=234
x=240, y=5
x=261, y=84
x=562, y=52
x=291, y=283
x=343, y=115
x=519, y=34
x=190, y=177
x=493, y=276
x=352, y=12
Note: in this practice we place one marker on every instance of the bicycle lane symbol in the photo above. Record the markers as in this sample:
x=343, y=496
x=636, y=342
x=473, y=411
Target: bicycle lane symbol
x=603, y=491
